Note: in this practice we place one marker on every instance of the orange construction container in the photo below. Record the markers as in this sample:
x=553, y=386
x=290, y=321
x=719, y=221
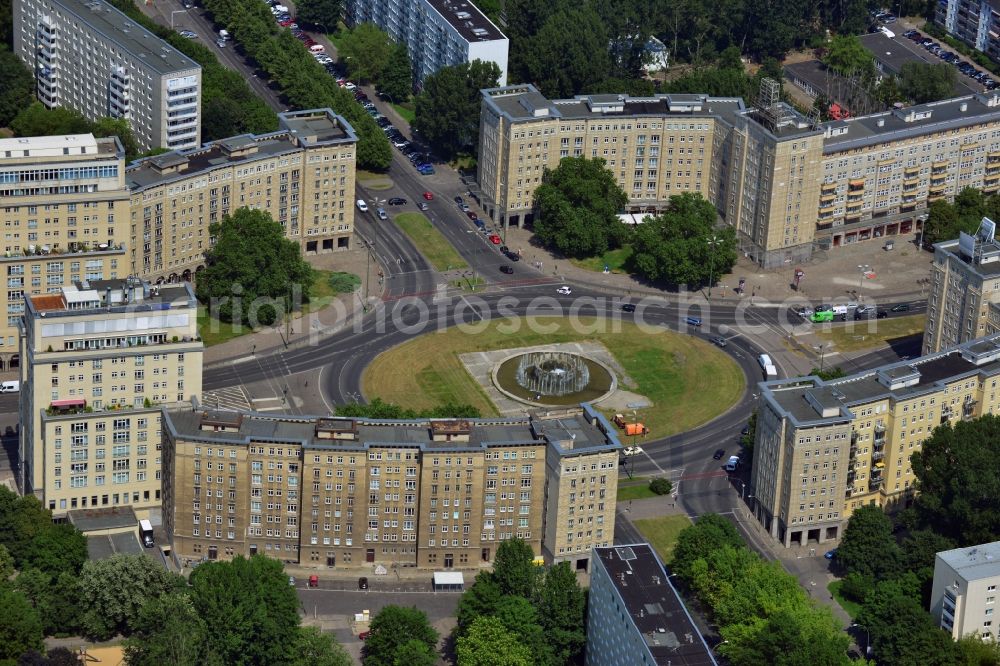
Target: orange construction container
x=636, y=429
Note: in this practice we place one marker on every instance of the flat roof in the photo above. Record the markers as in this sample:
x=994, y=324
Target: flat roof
x=127, y=294
x=449, y=578
x=116, y=27
x=653, y=605
x=892, y=53
x=974, y=562
x=466, y=18
x=297, y=130
x=94, y=520
x=985, y=269
x=568, y=434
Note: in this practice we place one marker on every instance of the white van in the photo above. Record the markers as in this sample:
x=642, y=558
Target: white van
x=317, y=48
x=362, y=206
x=767, y=365
x=10, y=387
x=732, y=463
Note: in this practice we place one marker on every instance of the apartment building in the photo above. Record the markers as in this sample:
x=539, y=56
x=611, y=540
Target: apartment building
x=825, y=448
x=99, y=359
x=323, y=492
x=635, y=615
x=964, y=591
x=302, y=174
x=88, y=56
x=437, y=33
x=65, y=207
x=784, y=183
x=975, y=22
x=964, y=302
x=760, y=168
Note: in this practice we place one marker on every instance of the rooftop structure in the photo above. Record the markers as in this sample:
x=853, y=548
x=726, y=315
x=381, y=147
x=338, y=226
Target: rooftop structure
x=964, y=590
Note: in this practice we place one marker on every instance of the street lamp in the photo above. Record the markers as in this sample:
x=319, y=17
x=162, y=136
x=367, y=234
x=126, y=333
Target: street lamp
x=176, y=11
x=712, y=242
x=862, y=269
x=822, y=355
x=868, y=638
x=372, y=249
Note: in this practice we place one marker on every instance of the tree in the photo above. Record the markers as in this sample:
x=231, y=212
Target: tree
x=379, y=409
x=253, y=610
x=514, y=568
x=397, y=76
x=57, y=598
x=521, y=618
x=661, y=486
x=20, y=627
x=578, y=204
x=569, y=54
x=828, y=373
x=868, y=547
x=414, y=653
x=36, y=120
x=946, y=220
x=6, y=564
x=120, y=128
x=365, y=49
x=957, y=475
x=489, y=643
x=319, y=13
x=314, y=648
x=482, y=598
x=848, y=57
x=683, y=245
x=57, y=548
x=169, y=630
x=974, y=651
x=805, y=636
x=251, y=251
x=17, y=86
x=447, y=109
x=927, y=82
x=562, y=612
x=114, y=590
x=391, y=628
x=710, y=533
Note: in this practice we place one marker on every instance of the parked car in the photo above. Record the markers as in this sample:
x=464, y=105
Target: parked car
x=564, y=290
x=900, y=307
x=459, y=200
x=882, y=314
x=632, y=450
x=363, y=583
x=504, y=268
x=495, y=239
x=426, y=170
x=397, y=201
x=830, y=554
x=364, y=635
x=718, y=454
x=628, y=307
x=692, y=321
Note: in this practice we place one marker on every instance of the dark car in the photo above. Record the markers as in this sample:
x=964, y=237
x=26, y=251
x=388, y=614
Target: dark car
x=459, y=200
x=900, y=307
x=397, y=201
x=363, y=583
x=506, y=269
x=718, y=454
x=472, y=215
x=628, y=307
x=719, y=340
x=882, y=314
x=513, y=256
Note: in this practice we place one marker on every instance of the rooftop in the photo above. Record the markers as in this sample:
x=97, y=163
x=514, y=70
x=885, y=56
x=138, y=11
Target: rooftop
x=811, y=400
x=892, y=53
x=127, y=35
x=566, y=433
x=654, y=606
x=980, y=253
x=466, y=18
x=58, y=146
x=974, y=562
x=119, y=295
x=297, y=130
x=95, y=520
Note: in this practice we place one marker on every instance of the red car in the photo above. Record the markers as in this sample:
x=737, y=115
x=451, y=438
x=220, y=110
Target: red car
x=309, y=42
x=285, y=24
x=472, y=216
x=364, y=635
x=495, y=239
x=428, y=196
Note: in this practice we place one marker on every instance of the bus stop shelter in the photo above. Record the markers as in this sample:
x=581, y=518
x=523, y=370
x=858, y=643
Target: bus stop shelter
x=449, y=581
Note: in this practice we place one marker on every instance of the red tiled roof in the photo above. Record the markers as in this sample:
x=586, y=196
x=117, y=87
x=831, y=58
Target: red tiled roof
x=48, y=302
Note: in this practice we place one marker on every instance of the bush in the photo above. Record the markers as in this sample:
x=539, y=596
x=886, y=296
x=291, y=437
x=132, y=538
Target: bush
x=856, y=587
x=661, y=486
x=344, y=283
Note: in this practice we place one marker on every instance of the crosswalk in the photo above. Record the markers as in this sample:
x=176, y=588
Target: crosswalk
x=231, y=397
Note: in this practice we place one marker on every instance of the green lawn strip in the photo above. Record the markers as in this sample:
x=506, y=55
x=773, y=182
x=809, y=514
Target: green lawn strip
x=615, y=260
x=868, y=333
x=431, y=243
x=852, y=608
x=406, y=112
x=662, y=532
x=634, y=492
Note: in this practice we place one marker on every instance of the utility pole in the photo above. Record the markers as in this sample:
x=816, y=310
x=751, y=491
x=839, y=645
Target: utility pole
x=712, y=242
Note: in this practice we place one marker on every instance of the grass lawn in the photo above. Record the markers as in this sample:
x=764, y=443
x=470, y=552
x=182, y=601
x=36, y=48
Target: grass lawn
x=406, y=111
x=687, y=380
x=636, y=488
x=462, y=162
x=662, y=532
x=430, y=242
x=866, y=334
x=374, y=181
x=615, y=260
x=852, y=608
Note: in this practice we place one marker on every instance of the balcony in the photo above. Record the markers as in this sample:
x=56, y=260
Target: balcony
x=855, y=185
x=937, y=167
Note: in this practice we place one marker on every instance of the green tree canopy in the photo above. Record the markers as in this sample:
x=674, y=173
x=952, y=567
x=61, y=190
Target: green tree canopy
x=482, y=598
x=33, y=540
x=447, y=109
x=414, y=653
x=365, y=49
x=711, y=532
x=945, y=220
x=36, y=120
x=120, y=128
x=114, y=590
x=319, y=13
x=489, y=643
x=569, y=54
x=802, y=636
x=396, y=82
x=578, y=204
x=56, y=597
x=169, y=630
x=561, y=606
x=847, y=56
x=20, y=626
x=927, y=82
x=868, y=547
x=379, y=409
x=314, y=648
x=253, y=264
x=17, y=86
x=684, y=245
x=391, y=629
x=253, y=610
x=514, y=569
x=958, y=481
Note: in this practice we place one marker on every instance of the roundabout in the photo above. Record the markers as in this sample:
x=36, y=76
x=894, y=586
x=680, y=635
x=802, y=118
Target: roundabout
x=553, y=378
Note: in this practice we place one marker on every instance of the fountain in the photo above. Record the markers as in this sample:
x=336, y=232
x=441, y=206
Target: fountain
x=552, y=373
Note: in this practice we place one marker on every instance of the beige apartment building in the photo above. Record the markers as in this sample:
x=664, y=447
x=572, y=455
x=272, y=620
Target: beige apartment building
x=99, y=359
x=964, y=591
x=302, y=174
x=759, y=167
x=65, y=209
x=785, y=183
x=825, y=448
x=964, y=301
x=324, y=492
